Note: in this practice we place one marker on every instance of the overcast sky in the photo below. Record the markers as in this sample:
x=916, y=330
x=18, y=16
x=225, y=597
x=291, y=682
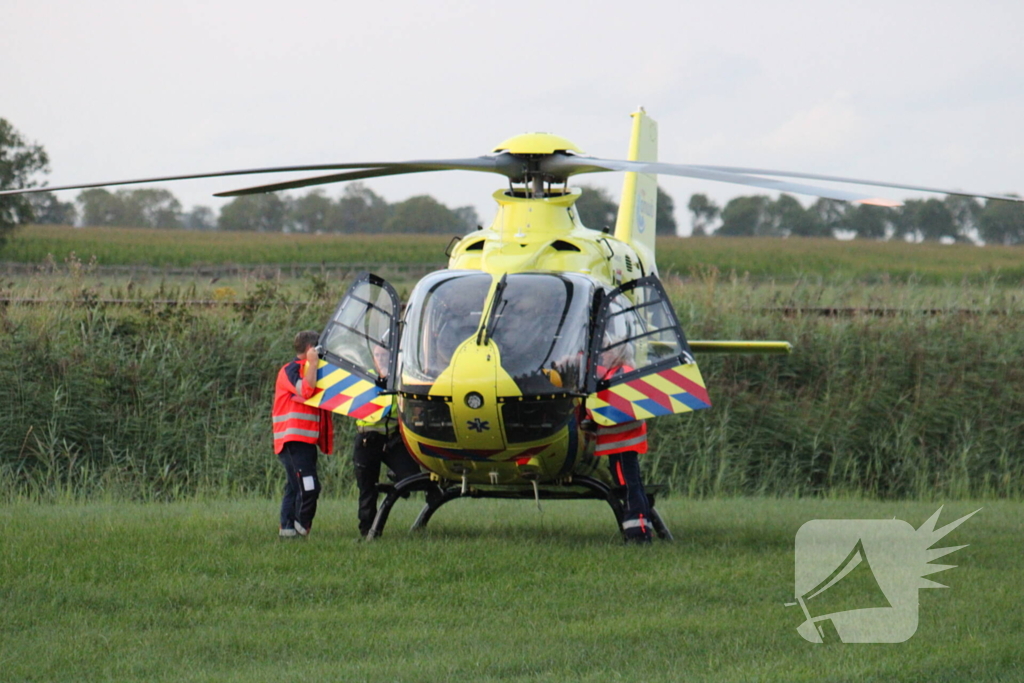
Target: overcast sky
x=929, y=93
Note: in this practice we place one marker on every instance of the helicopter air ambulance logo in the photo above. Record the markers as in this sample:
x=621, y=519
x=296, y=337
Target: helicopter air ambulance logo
x=857, y=580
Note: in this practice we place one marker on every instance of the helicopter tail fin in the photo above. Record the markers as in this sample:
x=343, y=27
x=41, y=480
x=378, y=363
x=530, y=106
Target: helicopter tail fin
x=638, y=207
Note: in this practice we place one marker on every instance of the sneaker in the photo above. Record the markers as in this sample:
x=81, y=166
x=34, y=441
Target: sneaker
x=301, y=530
x=287, y=533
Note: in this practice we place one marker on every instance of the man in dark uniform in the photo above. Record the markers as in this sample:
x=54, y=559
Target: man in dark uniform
x=376, y=443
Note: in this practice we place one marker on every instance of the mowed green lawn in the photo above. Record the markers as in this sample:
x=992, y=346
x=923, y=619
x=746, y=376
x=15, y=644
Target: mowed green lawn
x=494, y=591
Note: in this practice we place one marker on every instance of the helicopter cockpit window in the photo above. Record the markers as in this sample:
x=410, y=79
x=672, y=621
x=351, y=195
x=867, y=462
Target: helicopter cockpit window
x=541, y=329
x=358, y=332
x=444, y=310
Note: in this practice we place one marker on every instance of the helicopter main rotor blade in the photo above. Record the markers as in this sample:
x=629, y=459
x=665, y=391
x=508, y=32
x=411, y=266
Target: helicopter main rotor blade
x=570, y=165
x=504, y=164
x=321, y=180
x=858, y=181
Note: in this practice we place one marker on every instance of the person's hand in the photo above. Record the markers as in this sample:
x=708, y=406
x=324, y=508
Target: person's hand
x=311, y=356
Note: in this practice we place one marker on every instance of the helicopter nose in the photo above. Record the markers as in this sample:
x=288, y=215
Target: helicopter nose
x=475, y=409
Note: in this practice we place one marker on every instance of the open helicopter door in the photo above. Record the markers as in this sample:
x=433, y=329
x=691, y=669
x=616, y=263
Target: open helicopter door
x=640, y=364
x=358, y=351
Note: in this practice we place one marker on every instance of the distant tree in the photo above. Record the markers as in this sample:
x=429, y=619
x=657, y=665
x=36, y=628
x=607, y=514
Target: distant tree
x=665, y=224
x=19, y=162
x=99, y=207
x=253, y=213
x=1002, y=222
x=746, y=217
x=705, y=212
x=423, y=214
x=199, y=218
x=905, y=221
x=789, y=217
x=309, y=213
x=935, y=221
x=468, y=217
x=595, y=208
x=359, y=209
x=150, y=208
x=49, y=210
x=868, y=222
x=829, y=216
x=966, y=212
x=142, y=208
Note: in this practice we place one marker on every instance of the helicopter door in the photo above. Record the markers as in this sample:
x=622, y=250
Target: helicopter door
x=358, y=351
x=640, y=364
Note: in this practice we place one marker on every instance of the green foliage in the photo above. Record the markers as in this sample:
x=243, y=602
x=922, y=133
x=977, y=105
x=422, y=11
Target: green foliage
x=596, y=208
x=165, y=401
x=1002, y=222
x=759, y=257
x=199, y=218
x=867, y=222
x=705, y=212
x=746, y=216
x=789, y=217
x=253, y=213
x=122, y=246
x=360, y=210
x=423, y=214
x=20, y=161
x=665, y=223
x=49, y=210
x=139, y=208
x=310, y=213
x=928, y=219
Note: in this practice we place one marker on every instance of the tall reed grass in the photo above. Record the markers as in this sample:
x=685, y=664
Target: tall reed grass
x=158, y=402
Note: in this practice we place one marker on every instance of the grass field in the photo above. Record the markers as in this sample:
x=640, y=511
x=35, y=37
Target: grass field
x=493, y=592
x=759, y=257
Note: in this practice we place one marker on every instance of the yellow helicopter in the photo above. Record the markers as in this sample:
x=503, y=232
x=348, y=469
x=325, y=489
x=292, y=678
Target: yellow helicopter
x=491, y=368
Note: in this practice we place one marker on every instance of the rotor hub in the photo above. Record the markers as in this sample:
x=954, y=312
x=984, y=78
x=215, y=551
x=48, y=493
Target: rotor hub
x=537, y=143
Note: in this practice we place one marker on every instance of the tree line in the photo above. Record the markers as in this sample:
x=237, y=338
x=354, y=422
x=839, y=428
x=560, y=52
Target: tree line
x=359, y=209
x=953, y=218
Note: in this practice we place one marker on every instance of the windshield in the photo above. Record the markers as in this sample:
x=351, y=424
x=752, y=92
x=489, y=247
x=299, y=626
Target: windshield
x=541, y=329
x=444, y=310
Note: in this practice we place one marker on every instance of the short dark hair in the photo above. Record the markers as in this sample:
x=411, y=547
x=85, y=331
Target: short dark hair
x=305, y=339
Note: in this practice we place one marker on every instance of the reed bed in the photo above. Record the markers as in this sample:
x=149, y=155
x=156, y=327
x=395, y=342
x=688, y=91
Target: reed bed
x=157, y=401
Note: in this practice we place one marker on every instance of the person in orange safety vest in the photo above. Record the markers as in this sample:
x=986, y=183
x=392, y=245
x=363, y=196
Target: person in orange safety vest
x=298, y=430
x=623, y=444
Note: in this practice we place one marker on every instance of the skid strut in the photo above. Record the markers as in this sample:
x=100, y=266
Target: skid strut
x=439, y=493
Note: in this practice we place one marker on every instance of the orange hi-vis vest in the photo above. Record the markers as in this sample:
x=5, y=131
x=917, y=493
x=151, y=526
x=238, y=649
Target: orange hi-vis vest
x=293, y=419
x=620, y=438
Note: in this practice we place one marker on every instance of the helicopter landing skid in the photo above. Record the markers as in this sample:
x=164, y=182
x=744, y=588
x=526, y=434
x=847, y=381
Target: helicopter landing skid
x=439, y=493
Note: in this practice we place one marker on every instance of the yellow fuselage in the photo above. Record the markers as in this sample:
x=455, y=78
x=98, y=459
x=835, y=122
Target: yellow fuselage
x=528, y=235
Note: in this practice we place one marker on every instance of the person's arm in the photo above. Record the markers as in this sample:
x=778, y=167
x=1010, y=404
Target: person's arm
x=312, y=360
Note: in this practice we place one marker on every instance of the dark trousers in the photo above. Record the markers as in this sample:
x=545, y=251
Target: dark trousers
x=626, y=472
x=369, y=451
x=302, y=488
